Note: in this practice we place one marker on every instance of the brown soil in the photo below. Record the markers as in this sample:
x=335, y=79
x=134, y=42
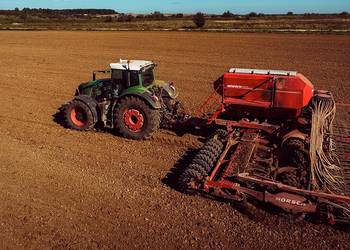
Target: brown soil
x=66, y=189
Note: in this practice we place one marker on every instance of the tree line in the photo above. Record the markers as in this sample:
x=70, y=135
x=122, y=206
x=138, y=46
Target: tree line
x=109, y=15
x=50, y=12
x=154, y=15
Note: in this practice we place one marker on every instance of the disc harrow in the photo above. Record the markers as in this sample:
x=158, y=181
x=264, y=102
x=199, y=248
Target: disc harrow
x=247, y=164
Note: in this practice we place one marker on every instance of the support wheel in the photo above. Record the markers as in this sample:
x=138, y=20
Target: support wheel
x=134, y=119
x=297, y=159
x=78, y=115
x=188, y=176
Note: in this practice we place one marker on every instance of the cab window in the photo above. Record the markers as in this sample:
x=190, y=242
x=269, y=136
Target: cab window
x=134, y=78
x=117, y=74
x=147, y=77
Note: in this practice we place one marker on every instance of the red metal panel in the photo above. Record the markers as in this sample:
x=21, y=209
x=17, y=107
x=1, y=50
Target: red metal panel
x=308, y=90
x=268, y=91
x=293, y=92
x=247, y=88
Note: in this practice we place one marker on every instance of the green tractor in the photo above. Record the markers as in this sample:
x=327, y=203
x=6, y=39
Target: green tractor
x=129, y=100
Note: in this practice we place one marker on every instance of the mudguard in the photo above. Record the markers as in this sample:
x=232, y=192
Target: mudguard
x=169, y=91
x=294, y=134
x=146, y=97
x=91, y=103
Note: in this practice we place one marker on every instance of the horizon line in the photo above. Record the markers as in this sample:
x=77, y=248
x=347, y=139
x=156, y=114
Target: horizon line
x=176, y=12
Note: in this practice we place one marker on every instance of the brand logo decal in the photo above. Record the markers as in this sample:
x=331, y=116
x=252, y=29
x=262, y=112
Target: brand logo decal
x=236, y=86
x=290, y=201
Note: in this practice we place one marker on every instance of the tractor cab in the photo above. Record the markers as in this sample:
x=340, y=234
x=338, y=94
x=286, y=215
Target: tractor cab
x=133, y=73
x=125, y=76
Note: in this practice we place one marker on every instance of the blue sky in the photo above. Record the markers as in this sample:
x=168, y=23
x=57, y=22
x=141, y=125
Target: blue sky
x=189, y=6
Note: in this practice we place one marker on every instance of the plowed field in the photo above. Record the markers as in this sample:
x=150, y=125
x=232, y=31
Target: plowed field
x=65, y=189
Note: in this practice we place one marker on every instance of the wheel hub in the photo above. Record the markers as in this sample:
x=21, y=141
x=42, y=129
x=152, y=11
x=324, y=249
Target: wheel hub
x=133, y=119
x=78, y=117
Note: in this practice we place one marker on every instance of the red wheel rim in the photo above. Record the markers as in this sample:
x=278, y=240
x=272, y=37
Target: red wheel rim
x=133, y=119
x=78, y=117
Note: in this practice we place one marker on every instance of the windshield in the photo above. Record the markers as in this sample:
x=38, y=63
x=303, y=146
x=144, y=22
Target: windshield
x=147, y=77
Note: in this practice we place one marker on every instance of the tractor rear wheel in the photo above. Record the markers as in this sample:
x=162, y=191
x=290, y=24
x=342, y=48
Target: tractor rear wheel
x=78, y=115
x=134, y=119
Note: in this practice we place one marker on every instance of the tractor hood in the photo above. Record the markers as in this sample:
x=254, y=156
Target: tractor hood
x=88, y=84
x=86, y=87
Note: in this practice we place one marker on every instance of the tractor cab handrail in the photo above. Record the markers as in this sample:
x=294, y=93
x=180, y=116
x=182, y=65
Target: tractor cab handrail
x=107, y=71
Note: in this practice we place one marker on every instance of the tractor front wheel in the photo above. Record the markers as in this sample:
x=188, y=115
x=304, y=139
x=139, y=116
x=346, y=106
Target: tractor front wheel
x=78, y=116
x=134, y=119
